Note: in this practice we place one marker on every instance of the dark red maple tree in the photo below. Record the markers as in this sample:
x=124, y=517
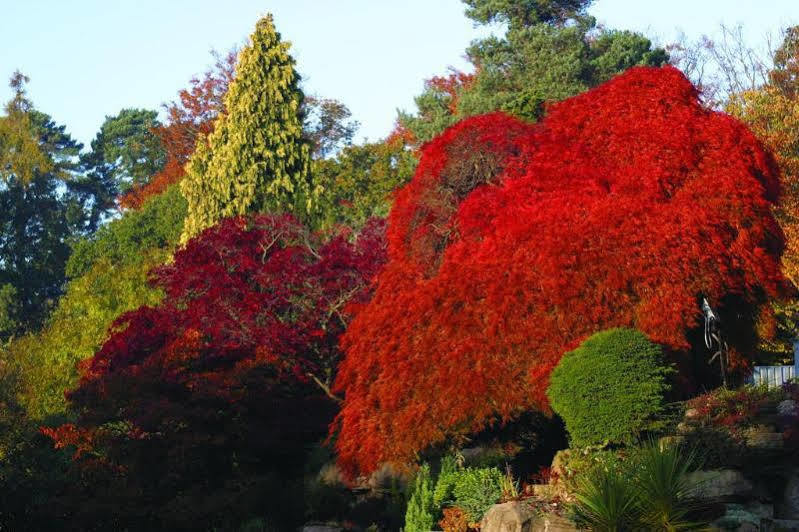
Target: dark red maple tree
x=228, y=379
x=514, y=242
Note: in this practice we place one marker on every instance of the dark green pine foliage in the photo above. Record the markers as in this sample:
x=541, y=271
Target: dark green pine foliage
x=552, y=50
x=38, y=218
x=124, y=154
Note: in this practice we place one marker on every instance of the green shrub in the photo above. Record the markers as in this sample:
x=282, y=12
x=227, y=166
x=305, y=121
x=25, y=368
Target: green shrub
x=575, y=464
x=472, y=489
x=611, y=388
x=443, y=495
x=419, y=515
x=476, y=490
x=718, y=448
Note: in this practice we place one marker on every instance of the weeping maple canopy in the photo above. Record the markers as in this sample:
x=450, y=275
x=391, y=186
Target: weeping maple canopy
x=513, y=242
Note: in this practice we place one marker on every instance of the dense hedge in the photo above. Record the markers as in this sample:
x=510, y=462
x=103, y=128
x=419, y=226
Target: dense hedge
x=610, y=388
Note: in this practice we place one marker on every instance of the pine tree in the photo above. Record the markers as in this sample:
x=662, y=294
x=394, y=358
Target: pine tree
x=257, y=158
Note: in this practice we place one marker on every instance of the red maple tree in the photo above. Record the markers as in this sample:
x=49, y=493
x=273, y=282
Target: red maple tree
x=514, y=242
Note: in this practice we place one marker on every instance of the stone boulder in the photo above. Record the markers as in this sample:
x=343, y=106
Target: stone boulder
x=779, y=525
x=788, y=408
x=521, y=516
x=787, y=414
x=764, y=441
x=720, y=485
x=744, y=517
x=788, y=507
x=692, y=414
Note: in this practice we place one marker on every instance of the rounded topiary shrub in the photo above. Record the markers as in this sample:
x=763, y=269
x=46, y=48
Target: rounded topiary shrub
x=611, y=388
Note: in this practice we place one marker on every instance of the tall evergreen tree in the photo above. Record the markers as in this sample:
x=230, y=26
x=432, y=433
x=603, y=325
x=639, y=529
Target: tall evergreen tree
x=20, y=154
x=551, y=51
x=124, y=155
x=38, y=212
x=519, y=14
x=257, y=158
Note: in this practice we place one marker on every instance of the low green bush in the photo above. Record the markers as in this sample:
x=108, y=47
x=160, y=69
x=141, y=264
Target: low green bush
x=477, y=489
x=611, y=388
x=472, y=489
x=575, y=464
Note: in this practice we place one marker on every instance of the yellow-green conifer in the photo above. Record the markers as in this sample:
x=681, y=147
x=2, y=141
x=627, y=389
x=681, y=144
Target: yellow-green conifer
x=257, y=158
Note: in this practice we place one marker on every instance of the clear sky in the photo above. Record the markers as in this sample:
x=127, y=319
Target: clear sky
x=91, y=58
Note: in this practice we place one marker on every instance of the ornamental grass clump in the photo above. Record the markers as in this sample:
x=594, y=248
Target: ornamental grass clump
x=651, y=491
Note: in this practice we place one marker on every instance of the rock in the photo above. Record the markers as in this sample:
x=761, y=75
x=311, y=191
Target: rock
x=521, y=516
x=471, y=453
x=779, y=525
x=744, y=517
x=787, y=414
x=788, y=507
x=788, y=408
x=761, y=429
x=760, y=509
x=692, y=414
x=764, y=441
x=684, y=428
x=719, y=485
x=508, y=517
x=552, y=523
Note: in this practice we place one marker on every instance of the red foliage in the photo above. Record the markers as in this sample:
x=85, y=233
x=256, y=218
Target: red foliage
x=189, y=119
x=545, y=475
x=514, y=242
x=400, y=136
x=68, y=435
x=454, y=520
x=234, y=366
x=451, y=85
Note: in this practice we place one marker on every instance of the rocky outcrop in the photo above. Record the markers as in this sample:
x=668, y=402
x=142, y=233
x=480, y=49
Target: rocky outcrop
x=788, y=507
x=719, y=485
x=744, y=517
x=521, y=516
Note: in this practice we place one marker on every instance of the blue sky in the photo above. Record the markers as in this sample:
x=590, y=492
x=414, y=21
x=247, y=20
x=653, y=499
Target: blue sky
x=91, y=58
